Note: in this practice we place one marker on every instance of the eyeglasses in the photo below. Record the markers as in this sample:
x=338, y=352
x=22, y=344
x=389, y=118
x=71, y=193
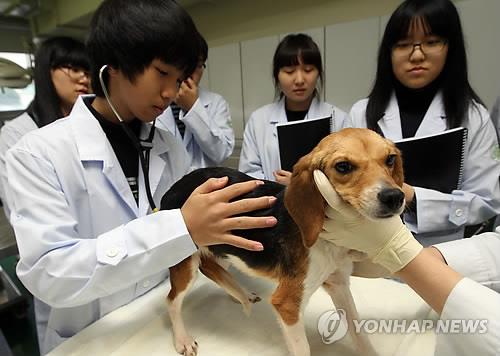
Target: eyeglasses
x=430, y=46
x=75, y=73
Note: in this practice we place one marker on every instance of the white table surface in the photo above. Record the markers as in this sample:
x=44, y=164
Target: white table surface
x=221, y=328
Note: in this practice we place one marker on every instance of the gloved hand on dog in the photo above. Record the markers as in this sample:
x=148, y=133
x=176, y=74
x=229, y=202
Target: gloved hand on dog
x=387, y=242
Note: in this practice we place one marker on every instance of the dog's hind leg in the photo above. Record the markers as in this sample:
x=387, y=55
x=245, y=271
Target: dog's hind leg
x=210, y=268
x=182, y=277
x=337, y=286
x=287, y=299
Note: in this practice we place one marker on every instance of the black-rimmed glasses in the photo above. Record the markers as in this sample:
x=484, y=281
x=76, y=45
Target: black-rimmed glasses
x=406, y=48
x=75, y=73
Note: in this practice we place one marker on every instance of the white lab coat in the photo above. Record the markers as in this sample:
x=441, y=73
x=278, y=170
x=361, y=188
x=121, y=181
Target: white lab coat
x=495, y=116
x=85, y=246
x=260, y=150
x=475, y=297
x=209, y=136
x=442, y=217
x=11, y=132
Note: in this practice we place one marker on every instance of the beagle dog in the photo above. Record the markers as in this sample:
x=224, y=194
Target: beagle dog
x=366, y=171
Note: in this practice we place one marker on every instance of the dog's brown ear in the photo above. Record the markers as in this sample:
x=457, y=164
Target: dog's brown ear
x=397, y=172
x=304, y=202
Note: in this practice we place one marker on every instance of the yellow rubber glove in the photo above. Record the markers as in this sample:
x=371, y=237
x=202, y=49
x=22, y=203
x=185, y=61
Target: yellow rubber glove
x=387, y=242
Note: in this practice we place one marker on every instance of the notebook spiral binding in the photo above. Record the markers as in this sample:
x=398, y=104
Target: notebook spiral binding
x=333, y=126
x=462, y=159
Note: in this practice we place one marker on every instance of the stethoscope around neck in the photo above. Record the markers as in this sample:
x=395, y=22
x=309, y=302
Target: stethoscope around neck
x=143, y=147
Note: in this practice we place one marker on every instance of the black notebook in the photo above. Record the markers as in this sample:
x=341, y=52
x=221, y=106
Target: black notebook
x=298, y=138
x=435, y=161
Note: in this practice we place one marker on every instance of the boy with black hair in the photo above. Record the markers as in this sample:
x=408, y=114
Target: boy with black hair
x=87, y=244
x=200, y=119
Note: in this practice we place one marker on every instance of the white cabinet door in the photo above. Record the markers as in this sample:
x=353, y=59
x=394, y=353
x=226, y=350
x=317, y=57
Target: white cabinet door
x=350, y=61
x=224, y=70
x=257, y=71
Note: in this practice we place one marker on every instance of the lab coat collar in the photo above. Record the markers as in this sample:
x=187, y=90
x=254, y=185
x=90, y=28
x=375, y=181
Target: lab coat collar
x=279, y=114
x=93, y=145
x=433, y=121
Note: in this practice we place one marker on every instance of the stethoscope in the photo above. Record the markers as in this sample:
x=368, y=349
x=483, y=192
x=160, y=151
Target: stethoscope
x=143, y=147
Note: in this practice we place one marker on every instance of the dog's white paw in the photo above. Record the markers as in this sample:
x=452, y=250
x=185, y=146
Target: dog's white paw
x=186, y=346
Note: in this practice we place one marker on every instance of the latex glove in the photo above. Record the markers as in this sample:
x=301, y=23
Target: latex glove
x=387, y=242
x=369, y=269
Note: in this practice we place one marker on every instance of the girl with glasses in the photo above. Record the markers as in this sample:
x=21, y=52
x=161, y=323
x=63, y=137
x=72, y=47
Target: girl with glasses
x=298, y=75
x=61, y=74
x=421, y=88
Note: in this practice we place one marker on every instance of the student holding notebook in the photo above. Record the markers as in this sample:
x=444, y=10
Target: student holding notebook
x=421, y=88
x=298, y=75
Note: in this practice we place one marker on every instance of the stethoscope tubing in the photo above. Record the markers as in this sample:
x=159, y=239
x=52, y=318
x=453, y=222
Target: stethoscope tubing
x=143, y=147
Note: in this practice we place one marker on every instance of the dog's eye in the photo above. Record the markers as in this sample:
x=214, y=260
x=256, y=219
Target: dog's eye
x=391, y=159
x=344, y=167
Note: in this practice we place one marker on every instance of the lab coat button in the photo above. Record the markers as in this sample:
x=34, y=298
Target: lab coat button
x=459, y=212
x=112, y=252
x=146, y=283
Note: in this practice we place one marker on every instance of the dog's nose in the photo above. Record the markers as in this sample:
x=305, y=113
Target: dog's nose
x=392, y=198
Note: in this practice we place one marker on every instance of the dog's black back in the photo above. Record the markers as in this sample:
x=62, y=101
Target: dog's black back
x=273, y=239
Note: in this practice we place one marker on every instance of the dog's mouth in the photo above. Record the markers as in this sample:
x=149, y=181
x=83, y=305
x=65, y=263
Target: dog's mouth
x=386, y=215
x=382, y=205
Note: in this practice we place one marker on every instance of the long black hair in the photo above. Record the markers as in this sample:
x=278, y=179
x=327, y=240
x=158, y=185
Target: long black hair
x=128, y=35
x=440, y=17
x=53, y=53
x=292, y=48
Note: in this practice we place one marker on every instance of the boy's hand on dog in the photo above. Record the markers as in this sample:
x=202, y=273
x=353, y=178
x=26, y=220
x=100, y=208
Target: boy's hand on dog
x=209, y=214
x=387, y=242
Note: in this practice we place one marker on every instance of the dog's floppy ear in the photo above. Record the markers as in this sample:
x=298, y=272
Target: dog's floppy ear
x=397, y=172
x=303, y=200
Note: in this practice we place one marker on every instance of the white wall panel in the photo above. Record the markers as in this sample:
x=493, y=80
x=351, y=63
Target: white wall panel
x=350, y=57
x=256, y=60
x=205, y=80
x=225, y=79
x=481, y=25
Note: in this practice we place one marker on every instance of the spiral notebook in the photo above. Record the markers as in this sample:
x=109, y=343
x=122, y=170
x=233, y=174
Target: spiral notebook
x=298, y=138
x=435, y=161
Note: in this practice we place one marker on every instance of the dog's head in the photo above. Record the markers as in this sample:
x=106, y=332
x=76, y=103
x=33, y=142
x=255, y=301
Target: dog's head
x=365, y=169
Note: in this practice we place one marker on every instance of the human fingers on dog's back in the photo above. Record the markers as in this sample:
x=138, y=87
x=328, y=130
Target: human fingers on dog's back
x=243, y=243
x=248, y=205
x=249, y=222
x=238, y=189
x=210, y=185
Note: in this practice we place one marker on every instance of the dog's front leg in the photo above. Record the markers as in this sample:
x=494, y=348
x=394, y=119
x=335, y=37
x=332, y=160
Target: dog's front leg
x=182, y=277
x=337, y=286
x=287, y=300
